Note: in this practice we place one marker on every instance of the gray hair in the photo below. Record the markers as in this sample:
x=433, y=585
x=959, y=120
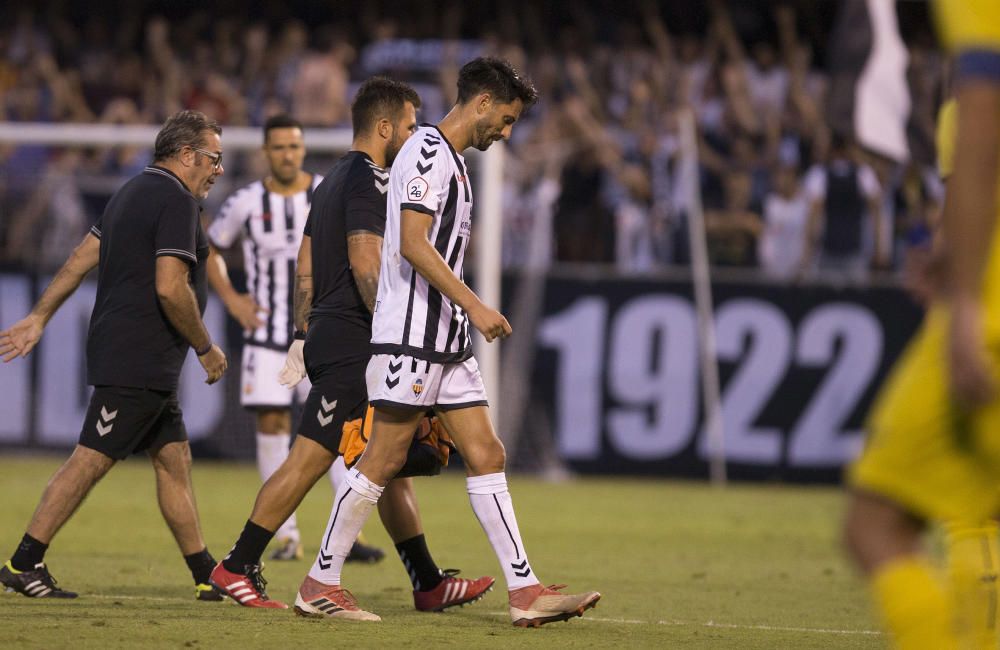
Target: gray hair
x=183, y=129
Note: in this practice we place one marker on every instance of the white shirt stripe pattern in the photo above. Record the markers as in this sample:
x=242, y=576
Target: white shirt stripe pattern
x=271, y=227
x=412, y=317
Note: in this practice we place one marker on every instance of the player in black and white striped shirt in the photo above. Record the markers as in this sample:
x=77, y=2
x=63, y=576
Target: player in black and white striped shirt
x=420, y=337
x=268, y=217
x=413, y=317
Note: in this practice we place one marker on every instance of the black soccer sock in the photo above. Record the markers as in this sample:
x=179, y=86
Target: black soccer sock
x=201, y=565
x=29, y=553
x=424, y=574
x=249, y=547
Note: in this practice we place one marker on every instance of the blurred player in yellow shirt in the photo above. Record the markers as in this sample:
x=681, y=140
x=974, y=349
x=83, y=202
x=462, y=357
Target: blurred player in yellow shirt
x=934, y=447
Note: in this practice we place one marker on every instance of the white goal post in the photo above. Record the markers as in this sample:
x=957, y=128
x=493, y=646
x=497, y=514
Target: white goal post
x=487, y=219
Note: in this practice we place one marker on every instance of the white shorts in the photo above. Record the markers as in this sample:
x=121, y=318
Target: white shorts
x=402, y=381
x=259, y=387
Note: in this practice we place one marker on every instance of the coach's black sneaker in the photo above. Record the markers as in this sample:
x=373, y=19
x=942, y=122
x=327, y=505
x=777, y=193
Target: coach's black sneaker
x=365, y=554
x=37, y=583
x=208, y=593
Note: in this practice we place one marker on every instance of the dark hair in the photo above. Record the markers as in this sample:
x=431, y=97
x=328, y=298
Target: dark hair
x=183, y=129
x=280, y=121
x=498, y=78
x=377, y=98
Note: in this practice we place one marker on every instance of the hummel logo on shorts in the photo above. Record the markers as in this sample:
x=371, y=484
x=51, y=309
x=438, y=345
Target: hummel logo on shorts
x=104, y=424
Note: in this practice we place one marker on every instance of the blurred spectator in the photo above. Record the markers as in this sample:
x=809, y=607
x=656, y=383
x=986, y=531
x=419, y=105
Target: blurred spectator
x=782, y=245
x=844, y=215
x=732, y=231
x=53, y=219
x=602, y=140
x=319, y=92
x=584, y=227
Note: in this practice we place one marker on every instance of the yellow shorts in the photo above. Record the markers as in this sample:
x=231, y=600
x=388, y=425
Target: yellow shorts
x=923, y=452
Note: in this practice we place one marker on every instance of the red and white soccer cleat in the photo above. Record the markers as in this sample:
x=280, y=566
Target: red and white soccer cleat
x=537, y=605
x=247, y=589
x=452, y=592
x=332, y=602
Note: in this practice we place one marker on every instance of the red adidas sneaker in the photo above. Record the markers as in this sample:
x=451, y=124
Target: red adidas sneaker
x=451, y=592
x=247, y=589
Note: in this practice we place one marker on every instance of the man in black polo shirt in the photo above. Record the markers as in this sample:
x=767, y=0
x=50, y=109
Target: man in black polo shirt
x=150, y=252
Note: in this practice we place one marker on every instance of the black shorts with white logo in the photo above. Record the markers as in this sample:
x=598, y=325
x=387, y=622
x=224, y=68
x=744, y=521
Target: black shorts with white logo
x=122, y=421
x=338, y=395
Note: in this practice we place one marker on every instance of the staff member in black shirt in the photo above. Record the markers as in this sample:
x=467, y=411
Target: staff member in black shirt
x=150, y=252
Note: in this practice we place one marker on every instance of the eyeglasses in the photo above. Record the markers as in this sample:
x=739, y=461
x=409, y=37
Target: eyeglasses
x=216, y=158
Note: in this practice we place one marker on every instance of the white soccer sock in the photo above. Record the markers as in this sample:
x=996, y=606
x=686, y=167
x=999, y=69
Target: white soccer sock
x=352, y=506
x=337, y=472
x=272, y=450
x=493, y=507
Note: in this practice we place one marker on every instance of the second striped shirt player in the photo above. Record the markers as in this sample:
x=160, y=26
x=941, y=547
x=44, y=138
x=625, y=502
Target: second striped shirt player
x=422, y=355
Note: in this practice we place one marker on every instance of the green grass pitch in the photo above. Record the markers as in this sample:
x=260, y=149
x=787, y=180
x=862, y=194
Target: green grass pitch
x=678, y=564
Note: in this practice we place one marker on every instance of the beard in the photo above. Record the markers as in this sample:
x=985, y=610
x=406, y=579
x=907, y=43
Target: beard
x=483, y=138
x=392, y=150
x=286, y=178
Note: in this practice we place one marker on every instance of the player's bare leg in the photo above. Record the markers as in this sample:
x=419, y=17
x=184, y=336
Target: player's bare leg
x=478, y=444
x=885, y=543
x=66, y=490
x=877, y=531
x=386, y=450
x=398, y=510
x=239, y=573
x=282, y=493
x=26, y=572
x=175, y=494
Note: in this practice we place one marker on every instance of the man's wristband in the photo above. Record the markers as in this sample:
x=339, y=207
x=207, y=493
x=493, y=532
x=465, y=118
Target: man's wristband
x=205, y=350
x=299, y=335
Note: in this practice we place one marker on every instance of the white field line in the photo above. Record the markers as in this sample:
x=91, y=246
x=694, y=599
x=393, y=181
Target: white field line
x=592, y=619
x=730, y=626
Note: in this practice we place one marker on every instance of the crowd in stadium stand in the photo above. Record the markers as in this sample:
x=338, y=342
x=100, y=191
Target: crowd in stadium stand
x=595, y=175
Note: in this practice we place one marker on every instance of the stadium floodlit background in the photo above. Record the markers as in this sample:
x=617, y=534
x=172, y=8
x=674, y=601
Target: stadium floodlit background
x=602, y=375
x=594, y=207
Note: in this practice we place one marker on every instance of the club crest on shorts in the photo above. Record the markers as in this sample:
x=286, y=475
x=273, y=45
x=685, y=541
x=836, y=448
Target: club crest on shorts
x=418, y=386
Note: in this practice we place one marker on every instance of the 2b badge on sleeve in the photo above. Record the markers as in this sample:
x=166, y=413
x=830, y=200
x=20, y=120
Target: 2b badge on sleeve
x=416, y=188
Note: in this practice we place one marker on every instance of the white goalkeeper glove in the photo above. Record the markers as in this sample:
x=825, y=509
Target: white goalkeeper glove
x=295, y=366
